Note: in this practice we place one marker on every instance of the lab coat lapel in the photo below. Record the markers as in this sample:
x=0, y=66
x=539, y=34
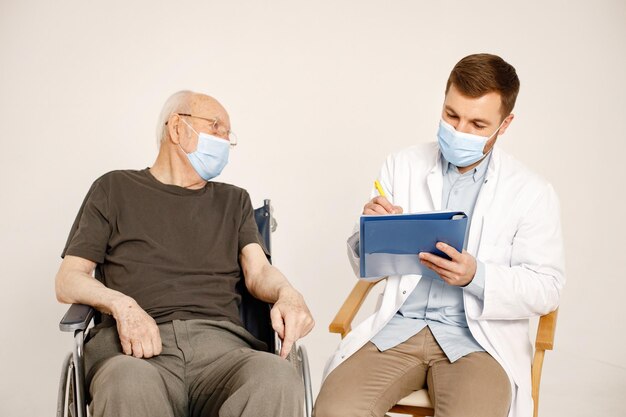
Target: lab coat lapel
x=435, y=183
x=485, y=197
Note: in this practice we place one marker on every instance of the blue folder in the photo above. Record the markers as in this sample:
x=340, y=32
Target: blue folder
x=389, y=244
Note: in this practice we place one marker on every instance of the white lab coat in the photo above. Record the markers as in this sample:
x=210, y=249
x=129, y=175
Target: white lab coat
x=515, y=232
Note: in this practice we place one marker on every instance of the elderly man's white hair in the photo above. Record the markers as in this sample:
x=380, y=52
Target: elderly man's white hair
x=179, y=102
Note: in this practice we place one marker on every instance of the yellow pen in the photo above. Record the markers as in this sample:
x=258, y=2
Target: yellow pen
x=379, y=188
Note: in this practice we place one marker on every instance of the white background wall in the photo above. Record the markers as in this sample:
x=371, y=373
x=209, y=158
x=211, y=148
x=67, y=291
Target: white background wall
x=319, y=93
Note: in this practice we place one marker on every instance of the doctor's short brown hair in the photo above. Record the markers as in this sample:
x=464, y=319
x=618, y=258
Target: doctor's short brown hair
x=479, y=74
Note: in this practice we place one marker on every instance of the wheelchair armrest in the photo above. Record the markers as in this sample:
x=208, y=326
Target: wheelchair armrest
x=77, y=317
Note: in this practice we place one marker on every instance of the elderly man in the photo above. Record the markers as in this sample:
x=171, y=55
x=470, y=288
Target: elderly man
x=464, y=333
x=172, y=245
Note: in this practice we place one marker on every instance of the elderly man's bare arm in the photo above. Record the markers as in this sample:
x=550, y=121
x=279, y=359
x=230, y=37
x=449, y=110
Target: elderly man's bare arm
x=139, y=334
x=291, y=317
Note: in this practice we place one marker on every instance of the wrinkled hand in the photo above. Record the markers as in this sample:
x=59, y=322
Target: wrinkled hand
x=459, y=271
x=138, y=332
x=380, y=205
x=291, y=319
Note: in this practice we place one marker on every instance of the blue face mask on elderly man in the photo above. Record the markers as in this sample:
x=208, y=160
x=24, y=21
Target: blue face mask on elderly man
x=459, y=148
x=211, y=155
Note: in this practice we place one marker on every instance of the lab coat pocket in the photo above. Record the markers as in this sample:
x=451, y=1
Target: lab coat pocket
x=499, y=254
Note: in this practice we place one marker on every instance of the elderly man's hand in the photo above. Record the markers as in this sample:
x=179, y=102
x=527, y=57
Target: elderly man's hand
x=459, y=271
x=291, y=318
x=139, y=334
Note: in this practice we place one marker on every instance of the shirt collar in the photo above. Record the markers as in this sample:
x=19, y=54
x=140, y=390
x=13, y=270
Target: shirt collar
x=477, y=174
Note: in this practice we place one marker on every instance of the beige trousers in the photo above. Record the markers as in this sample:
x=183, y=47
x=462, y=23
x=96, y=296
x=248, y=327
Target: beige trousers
x=370, y=382
x=206, y=369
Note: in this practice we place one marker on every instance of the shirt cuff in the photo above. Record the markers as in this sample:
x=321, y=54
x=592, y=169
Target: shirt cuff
x=476, y=287
x=354, y=244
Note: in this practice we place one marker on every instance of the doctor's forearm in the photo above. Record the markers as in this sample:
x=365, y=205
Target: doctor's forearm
x=476, y=286
x=517, y=292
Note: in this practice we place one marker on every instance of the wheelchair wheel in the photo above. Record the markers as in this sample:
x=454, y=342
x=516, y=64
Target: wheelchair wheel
x=66, y=406
x=298, y=357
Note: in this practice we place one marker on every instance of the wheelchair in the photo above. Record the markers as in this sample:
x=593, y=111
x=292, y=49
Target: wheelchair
x=255, y=316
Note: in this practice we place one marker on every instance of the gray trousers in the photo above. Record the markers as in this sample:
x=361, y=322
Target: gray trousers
x=206, y=368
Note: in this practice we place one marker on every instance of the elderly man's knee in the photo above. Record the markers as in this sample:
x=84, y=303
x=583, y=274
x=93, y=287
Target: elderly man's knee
x=125, y=376
x=123, y=385
x=273, y=375
x=288, y=378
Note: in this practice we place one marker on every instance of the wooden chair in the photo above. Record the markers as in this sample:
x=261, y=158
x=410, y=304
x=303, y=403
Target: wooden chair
x=418, y=403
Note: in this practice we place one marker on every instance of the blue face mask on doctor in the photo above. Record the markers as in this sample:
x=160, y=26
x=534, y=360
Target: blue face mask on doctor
x=459, y=148
x=211, y=155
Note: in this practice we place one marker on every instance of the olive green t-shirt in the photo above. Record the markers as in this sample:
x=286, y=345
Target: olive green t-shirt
x=174, y=250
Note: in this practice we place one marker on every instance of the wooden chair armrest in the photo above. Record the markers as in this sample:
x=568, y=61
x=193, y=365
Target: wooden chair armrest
x=544, y=341
x=342, y=323
x=546, y=330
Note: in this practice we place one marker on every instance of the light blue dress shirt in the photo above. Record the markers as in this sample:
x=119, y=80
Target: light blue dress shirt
x=434, y=303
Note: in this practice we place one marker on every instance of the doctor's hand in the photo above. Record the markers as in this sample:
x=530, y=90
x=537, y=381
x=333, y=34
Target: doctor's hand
x=138, y=332
x=291, y=318
x=380, y=205
x=459, y=271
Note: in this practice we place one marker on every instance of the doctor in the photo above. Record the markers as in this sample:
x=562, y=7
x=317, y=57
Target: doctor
x=463, y=334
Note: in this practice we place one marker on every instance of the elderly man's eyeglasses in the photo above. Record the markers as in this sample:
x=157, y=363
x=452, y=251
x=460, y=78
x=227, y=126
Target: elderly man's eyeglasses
x=216, y=127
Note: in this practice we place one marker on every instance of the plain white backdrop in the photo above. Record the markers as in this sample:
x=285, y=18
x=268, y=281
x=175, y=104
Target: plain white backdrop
x=319, y=92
